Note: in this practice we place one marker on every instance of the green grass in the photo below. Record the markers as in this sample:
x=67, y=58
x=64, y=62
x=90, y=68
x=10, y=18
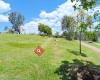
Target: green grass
x=19, y=62
x=96, y=44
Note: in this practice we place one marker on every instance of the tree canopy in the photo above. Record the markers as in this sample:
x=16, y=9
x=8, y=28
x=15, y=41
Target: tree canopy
x=84, y=4
x=16, y=20
x=68, y=25
x=44, y=29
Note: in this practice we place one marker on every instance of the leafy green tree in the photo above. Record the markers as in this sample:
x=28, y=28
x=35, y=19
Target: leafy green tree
x=84, y=4
x=69, y=25
x=44, y=29
x=16, y=20
x=97, y=20
x=64, y=34
x=91, y=36
x=97, y=28
x=89, y=21
x=82, y=26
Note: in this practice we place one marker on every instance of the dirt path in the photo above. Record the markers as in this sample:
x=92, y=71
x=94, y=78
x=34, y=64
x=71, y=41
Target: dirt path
x=57, y=53
x=46, y=42
x=97, y=50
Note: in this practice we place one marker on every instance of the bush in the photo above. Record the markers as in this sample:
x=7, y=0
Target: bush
x=91, y=36
x=44, y=30
x=67, y=35
x=57, y=35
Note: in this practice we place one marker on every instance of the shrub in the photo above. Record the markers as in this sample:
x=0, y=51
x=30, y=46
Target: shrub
x=44, y=29
x=91, y=36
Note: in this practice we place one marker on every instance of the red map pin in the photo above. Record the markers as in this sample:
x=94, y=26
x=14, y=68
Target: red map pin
x=39, y=51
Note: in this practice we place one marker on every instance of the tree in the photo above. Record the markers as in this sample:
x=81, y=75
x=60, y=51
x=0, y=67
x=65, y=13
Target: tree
x=89, y=21
x=57, y=35
x=64, y=34
x=44, y=29
x=97, y=28
x=68, y=25
x=91, y=36
x=84, y=4
x=16, y=20
x=10, y=30
x=97, y=20
x=82, y=26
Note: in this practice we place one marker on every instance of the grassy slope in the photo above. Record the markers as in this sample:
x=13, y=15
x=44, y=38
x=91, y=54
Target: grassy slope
x=96, y=44
x=19, y=62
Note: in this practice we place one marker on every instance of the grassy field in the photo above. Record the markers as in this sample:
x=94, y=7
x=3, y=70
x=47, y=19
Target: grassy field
x=19, y=62
x=95, y=44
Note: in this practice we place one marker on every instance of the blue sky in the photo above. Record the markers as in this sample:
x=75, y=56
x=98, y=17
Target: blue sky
x=49, y=12
x=31, y=8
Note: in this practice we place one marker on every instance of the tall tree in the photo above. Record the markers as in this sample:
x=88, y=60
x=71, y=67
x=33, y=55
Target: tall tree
x=68, y=25
x=86, y=5
x=81, y=17
x=16, y=20
x=97, y=20
x=89, y=21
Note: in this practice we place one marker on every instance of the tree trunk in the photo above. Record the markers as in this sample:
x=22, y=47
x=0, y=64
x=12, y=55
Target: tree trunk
x=80, y=42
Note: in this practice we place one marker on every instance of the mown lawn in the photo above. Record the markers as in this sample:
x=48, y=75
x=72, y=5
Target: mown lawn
x=19, y=62
x=96, y=44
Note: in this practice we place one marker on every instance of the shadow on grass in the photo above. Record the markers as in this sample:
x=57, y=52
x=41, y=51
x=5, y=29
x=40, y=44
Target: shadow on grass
x=78, y=70
x=20, y=45
x=76, y=52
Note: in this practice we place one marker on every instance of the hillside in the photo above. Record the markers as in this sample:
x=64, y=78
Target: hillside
x=19, y=62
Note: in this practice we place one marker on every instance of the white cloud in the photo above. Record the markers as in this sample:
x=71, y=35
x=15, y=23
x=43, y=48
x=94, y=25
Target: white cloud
x=3, y=18
x=92, y=11
x=4, y=7
x=52, y=19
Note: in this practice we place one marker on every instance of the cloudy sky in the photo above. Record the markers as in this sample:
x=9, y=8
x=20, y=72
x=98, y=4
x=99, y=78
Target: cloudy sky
x=37, y=11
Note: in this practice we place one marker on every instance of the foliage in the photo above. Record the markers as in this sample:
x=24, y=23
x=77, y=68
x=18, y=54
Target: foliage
x=57, y=35
x=92, y=36
x=89, y=21
x=97, y=28
x=82, y=21
x=97, y=19
x=44, y=29
x=84, y=4
x=69, y=25
x=97, y=15
x=64, y=34
x=10, y=31
x=78, y=70
x=16, y=20
x=81, y=25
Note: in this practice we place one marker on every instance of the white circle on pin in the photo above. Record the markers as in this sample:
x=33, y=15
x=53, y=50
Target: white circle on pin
x=38, y=50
